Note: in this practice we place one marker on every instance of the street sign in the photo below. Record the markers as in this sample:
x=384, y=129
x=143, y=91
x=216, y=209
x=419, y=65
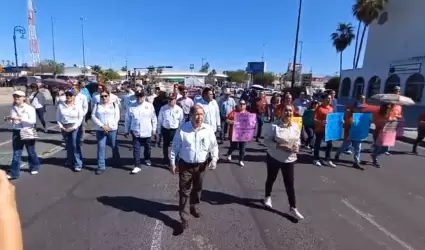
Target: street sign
x=191, y=66
x=255, y=67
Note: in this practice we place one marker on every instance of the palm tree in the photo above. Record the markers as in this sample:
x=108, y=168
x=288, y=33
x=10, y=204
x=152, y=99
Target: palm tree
x=342, y=38
x=366, y=11
x=213, y=73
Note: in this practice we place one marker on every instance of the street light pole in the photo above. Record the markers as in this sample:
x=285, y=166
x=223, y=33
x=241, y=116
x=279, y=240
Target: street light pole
x=20, y=30
x=294, y=65
x=52, y=22
x=202, y=62
x=83, y=43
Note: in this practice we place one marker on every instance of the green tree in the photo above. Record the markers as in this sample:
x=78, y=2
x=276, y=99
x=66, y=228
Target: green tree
x=205, y=68
x=124, y=68
x=238, y=76
x=366, y=11
x=212, y=73
x=49, y=66
x=159, y=71
x=96, y=68
x=265, y=79
x=111, y=74
x=333, y=84
x=342, y=38
x=151, y=69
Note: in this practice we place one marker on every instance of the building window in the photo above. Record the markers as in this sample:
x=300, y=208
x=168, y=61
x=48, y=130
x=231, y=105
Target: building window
x=358, y=87
x=415, y=87
x=345, y=87
x=374, y=86
x=392, y=81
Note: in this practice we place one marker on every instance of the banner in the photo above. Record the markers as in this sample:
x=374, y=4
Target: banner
x=359, y=129
x=387, y=136
x=333, y=127
x=244, y=127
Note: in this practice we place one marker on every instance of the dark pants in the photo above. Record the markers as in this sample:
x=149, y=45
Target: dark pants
x=18, y=146
x=186, y=117
x=419, y=139
x=167, y=135
x=317, y=143
x=88, y=115
x=234, y=146
x=287, y=169
x=223, y=132
x=259, y=125
x=191, y=177
x=40, y=114
x=309, y=140
x=138, y=143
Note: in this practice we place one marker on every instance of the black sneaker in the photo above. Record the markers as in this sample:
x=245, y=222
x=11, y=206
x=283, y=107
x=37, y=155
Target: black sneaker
x=376, y=164
x=358, y=166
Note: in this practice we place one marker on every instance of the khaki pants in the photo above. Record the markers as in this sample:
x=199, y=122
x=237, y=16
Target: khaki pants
x=191, y=177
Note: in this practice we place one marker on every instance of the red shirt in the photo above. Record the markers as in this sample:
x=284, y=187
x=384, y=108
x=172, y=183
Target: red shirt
x=320, y=115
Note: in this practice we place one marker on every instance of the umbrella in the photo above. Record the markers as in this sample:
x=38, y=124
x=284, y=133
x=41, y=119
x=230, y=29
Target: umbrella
x=393, y=98
x=256, y=86
x=27, y=80
x=57, y=83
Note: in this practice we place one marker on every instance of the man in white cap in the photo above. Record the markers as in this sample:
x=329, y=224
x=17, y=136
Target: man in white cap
x=226, y=105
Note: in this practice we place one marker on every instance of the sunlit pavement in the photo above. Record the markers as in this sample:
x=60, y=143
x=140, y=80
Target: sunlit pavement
x=344, y=208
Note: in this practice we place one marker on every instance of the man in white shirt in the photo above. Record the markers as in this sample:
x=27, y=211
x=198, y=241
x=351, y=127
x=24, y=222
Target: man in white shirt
x=186, y=103
x=151, y=95
x=38, y=101
x=81, y=101
x=196, y=147
x=128, y=97
x=169, y=120
x=141, y=123
x=210, y=106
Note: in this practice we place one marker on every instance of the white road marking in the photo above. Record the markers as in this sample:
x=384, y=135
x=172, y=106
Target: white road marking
x=157, y=235
x=9, y=141
x=379, y=227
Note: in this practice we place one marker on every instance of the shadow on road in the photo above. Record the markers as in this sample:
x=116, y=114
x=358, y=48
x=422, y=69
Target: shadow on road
x=219, y=198
x=149, y=208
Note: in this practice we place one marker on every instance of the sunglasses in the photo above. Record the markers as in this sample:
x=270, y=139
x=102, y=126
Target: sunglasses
x=104, y=96
x=68, y=94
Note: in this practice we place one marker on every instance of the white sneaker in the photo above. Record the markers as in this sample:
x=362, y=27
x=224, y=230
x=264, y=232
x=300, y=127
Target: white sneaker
x=241, y=164
x=317, y=163
x=136, y=170
x=331, y=164
x=9, y=177
x=296, y=214
x=34, y=172
x=148, y=163
x=268, y=202
x=229, y=157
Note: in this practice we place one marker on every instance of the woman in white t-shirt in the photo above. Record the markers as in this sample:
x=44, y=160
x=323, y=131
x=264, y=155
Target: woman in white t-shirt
x=282, y=139
x=38, y=101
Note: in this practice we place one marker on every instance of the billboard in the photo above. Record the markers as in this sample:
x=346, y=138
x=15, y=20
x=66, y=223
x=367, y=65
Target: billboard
x=256, y=67
x=298, y=67
x=306, y=79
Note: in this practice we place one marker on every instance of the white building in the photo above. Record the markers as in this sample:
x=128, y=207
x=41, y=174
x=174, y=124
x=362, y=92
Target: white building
x=394, y=54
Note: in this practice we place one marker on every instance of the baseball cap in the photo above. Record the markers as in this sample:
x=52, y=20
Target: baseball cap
x=242, y=102
x=19, y=93
x=226, y=91
x=70, y=91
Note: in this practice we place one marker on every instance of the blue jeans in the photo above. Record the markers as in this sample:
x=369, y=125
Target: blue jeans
x=18, y=147
x=73, y=148
x=224, y=129
x=259, y=125
x=355, y=145
x=138, y=143
x=377, y=151
x=102, y=139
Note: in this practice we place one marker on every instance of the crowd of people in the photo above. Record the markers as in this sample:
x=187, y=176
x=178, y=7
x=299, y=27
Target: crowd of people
x=194, y=128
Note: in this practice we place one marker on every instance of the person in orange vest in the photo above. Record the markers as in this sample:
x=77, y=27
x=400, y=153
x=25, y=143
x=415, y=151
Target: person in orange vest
x=354, y=144
x=380, y=118
x=421, y=133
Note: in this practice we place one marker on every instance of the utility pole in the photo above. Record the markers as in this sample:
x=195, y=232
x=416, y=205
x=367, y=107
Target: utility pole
x=52, y=22
x=83, y=43
x=296, y=44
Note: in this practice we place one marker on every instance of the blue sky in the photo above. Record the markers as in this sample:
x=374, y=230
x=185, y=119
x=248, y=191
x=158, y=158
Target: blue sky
x=178, y=33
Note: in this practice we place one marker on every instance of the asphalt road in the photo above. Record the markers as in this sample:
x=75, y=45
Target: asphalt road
x=344, y=208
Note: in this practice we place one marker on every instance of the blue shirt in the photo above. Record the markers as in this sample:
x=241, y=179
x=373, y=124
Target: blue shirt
x=226, y=106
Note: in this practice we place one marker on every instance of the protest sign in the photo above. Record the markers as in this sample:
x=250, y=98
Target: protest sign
x=244, y=127
x=333, y=127
x=359, y=129
x=298, y=121
x=388, y=134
